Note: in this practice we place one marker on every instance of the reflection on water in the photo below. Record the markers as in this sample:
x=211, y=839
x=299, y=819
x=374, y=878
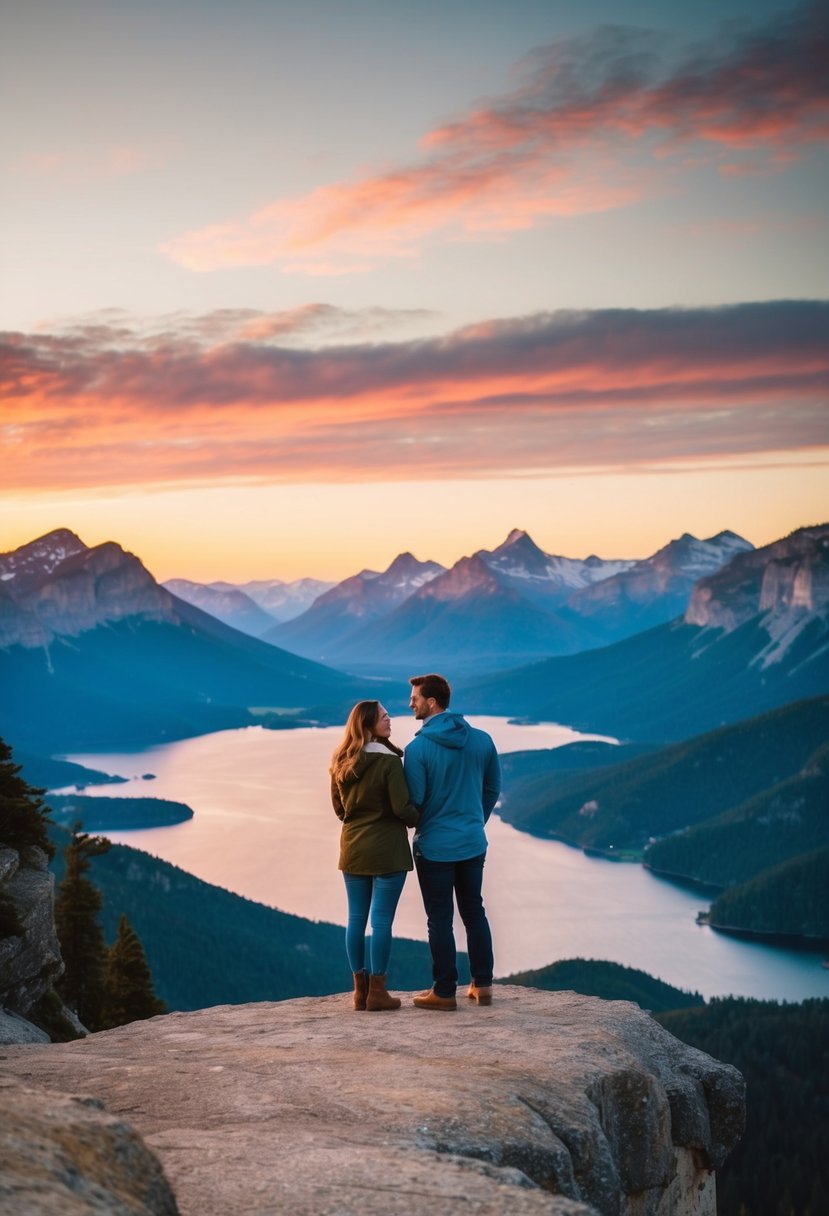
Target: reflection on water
x=264, y=828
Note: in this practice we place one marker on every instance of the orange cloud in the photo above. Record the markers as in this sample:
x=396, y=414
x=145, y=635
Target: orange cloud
x=590, y=112
x=92, y=406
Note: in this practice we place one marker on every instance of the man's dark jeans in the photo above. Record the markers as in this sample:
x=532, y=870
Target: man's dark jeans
x=440, y=882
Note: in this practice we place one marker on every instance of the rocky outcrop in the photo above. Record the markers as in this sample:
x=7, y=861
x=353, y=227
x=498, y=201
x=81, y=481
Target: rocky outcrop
x=543, y=1102
x=63, y=1156
x=787, y=581
x=31, y=962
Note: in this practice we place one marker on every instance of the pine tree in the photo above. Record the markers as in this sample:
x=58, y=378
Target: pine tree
x=22, y=812
x=79, y=930
x=129, y=995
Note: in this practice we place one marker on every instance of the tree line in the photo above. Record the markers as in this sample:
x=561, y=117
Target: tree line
x=105, y=986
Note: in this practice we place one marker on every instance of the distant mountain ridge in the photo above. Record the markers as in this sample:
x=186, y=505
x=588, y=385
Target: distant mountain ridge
x=253, y=607
x=501, y=607
x=655, y=590
x=353, y=604
x=94, y=652
x=695, y=673
x=226, y=603
x=90, y=642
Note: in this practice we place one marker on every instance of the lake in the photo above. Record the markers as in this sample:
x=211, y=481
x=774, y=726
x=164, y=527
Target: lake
x=264, y=828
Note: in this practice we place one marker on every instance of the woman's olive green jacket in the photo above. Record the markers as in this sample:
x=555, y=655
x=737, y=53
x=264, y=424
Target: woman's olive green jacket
x=373, y=804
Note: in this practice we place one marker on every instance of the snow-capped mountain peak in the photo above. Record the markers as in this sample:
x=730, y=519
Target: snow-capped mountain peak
x=29, y=564
x=519, y=557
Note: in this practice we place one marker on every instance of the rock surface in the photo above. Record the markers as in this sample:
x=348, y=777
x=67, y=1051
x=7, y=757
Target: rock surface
x=15, y=1029
x=62, y=1156
x=30, y=963
x=544, y=1102
x=787, y=582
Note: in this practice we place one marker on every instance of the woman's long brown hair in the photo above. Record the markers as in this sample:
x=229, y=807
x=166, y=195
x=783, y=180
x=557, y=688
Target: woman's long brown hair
x=358, y=731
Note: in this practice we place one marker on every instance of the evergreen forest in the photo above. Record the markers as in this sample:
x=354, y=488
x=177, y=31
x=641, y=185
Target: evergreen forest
x=610, y=981
x=780, y=1167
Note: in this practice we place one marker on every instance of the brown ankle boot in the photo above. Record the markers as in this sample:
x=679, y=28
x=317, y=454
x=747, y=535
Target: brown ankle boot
x=378, y=998
x=360, y=989
x=481, y=996
x=430, y=1000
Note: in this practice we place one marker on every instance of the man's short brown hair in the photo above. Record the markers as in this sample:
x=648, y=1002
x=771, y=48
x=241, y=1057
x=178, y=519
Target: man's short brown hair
x=433, y=686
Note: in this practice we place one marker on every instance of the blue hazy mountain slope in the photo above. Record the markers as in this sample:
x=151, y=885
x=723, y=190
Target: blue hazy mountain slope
x=755, y=636
x=654, y=590
x=227, y=604
x=356, y=603
x=94, y=653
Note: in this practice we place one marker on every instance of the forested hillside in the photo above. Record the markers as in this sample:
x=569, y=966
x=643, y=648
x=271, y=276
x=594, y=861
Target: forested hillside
x=790, y=900
x=206, y=946
x=780, y=1167
x=783, y=821
x=611, y=981
x=622, y=806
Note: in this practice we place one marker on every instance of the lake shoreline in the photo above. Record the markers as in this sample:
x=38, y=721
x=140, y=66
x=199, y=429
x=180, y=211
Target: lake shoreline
x=264, y=828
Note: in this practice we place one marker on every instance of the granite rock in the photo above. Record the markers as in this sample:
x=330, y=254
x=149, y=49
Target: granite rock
x=65, y=1156
x=543, y=1102
x=31, y=962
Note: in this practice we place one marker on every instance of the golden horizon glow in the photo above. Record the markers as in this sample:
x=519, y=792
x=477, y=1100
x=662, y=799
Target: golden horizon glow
x=240, y=533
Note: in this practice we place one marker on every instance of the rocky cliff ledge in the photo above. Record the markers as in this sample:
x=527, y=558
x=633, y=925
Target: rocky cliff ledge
x=29, y=962
x=544, y=1102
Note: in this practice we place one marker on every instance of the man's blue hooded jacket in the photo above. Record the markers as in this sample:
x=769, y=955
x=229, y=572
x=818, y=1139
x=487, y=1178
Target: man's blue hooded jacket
x=454, y=779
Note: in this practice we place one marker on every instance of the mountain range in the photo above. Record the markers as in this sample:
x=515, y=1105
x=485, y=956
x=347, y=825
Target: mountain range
x=353, y=607
x=498, y=607
x=94, y=652
x=755, y=635
x=253, y=607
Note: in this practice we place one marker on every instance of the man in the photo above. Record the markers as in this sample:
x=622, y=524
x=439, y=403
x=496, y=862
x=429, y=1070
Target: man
x=454, y=780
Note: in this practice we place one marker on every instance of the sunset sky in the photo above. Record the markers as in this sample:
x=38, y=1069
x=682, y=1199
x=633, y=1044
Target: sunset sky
x=288, y=289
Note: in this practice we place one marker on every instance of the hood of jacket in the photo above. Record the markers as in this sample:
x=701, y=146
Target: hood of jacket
x=447, y=729
x=371, y=754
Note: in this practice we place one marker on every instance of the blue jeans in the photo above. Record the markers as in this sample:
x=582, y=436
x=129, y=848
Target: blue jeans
x=440, y=883
x=374, y=895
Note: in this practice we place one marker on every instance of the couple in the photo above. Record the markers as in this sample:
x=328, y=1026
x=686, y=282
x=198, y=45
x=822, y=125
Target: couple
x=451, y=783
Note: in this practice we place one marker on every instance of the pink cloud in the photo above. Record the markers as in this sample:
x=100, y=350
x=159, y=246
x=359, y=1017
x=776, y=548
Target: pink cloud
x=91, y=407
x=569, y=140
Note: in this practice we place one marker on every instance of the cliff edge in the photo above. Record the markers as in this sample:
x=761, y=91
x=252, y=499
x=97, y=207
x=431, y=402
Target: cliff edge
x=544, y=1102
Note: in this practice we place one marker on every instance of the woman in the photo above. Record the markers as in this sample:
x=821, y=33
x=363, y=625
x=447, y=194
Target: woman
x=370, y=796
